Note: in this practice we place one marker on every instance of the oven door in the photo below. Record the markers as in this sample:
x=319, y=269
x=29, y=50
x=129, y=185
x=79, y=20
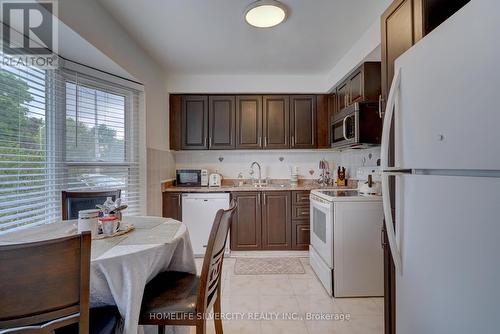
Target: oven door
x=321, y=217
x=345, y=129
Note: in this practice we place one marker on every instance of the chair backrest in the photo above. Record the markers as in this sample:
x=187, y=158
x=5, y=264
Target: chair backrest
x=211, y=272
x=74, y=201
x=45, y=285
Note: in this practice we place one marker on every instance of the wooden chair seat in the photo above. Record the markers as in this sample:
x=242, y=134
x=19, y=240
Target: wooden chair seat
x=182, y=299
x=170, y=294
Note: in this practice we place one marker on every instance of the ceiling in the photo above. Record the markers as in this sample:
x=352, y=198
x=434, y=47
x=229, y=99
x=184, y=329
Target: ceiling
x=195, y=37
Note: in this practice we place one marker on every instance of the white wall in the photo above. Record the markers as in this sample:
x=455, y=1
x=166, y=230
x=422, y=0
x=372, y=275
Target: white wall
x=90, y=20
x=245, y=84
x=365, y=49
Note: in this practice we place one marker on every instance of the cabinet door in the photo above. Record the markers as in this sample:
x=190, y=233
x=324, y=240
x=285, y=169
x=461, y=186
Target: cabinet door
x=246, y=227
x=276, y=123
x=303, y=121
x=356, y=85
x=222, y=122
x=300, y=235
x=194, y=122
x=323, y=116
x=342, y=95
x=276, y=221
x=249, y=122
x=172, y=205
x=402, y=27
x=175, y=115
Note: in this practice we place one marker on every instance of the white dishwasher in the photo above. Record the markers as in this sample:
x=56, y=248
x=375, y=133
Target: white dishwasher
x=198, y=213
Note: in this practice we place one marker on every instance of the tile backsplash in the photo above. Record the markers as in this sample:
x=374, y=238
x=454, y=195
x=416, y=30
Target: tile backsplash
x=276, y=164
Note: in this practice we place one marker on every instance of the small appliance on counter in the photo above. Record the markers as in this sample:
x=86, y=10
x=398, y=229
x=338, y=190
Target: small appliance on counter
x=215, y=180
x=370, y=187
x=191, y=178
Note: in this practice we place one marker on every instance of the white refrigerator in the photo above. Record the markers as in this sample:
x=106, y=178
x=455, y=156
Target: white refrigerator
x=445, y=102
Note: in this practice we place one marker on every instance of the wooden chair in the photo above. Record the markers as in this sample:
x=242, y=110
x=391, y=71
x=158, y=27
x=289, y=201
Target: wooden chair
x=74, y=201
x=45, y=285
x=182, y=299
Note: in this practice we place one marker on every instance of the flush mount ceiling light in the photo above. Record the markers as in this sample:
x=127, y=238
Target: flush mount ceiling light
x=265, y=13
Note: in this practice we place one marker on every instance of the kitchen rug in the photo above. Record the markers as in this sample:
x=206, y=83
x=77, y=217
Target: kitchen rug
x=268, y=266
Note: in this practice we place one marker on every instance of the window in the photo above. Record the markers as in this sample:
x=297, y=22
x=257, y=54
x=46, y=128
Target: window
x=63, y=130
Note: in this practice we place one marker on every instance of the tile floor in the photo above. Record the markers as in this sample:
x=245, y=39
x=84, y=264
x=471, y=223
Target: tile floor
x=296, y=295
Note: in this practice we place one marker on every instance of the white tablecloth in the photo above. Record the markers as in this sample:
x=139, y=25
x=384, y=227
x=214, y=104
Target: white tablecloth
x=121, y=266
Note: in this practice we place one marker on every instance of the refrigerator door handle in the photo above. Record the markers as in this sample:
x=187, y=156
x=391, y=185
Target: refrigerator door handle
x=389, y=224
x=388, y=115
x=384, y=163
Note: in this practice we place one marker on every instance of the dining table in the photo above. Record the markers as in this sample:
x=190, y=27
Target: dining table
x=122, y=265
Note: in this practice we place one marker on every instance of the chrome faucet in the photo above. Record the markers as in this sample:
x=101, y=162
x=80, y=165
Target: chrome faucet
x=259, y=184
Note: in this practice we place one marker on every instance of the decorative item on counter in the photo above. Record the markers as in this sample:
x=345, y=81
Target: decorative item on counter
x=87, y=221
x=109, y=225
x=341, y=177
x=324, y=177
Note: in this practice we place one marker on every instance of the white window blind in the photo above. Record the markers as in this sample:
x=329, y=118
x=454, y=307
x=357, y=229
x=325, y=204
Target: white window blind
x=62, y=130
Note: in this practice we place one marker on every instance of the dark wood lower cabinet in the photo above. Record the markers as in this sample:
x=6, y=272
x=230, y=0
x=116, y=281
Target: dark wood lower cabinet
x=246, y=233
x=271, y=220
x=172, y=205
x=276, y=220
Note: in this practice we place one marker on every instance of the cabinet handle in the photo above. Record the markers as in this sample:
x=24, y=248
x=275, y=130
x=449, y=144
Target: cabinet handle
x=293, y=141
x=210, y=142
x=179, y=201
x=260, y=141
x=205, y=142
x=265, y=199
x=380, y=106
x=265, y=141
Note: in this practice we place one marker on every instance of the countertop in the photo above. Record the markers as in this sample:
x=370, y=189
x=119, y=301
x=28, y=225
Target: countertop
x=230, y=185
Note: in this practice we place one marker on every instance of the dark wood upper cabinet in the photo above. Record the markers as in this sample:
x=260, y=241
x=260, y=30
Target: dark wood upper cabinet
x=276, y=121
x=248, y=122
x=303, y=121
x=276, y=220
x=356, y=87
x=172, y=205
x=360, y=85
x=323, y=120
x=342, y=93
x=246, y=228
x=175, y=111
x=401, y=29
x=194, y=127
x=222, y=122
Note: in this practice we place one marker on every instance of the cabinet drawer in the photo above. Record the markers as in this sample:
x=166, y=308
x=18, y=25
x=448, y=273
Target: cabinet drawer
x=300, y=197
x=300, y=212
x=301, y=235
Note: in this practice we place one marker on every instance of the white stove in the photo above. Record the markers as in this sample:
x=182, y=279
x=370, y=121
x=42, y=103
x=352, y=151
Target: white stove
x=345, y=250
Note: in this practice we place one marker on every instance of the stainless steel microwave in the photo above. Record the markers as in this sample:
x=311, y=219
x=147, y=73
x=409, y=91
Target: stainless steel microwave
x=356, y=126
x=191, y=178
